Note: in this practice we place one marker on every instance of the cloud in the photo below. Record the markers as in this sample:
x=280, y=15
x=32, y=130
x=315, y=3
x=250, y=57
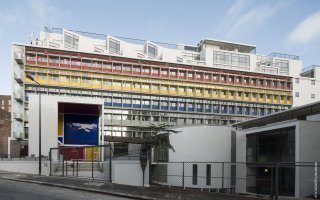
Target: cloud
x=307, y=31
x=244, y=17
x=86, y=127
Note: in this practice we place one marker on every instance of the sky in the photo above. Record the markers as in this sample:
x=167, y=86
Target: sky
x=285, y=26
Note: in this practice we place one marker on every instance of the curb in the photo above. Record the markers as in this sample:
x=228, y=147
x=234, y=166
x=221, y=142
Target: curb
x=82, y=189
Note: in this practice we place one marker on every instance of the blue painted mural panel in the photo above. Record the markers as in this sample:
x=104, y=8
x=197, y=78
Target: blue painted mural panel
x=81, y=129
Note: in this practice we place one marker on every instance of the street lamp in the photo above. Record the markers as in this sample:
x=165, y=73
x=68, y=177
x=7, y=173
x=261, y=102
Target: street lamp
x=32, y=79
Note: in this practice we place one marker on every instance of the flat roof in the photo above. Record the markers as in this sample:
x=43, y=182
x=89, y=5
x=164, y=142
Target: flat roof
x=230, y=46
x=292, y=113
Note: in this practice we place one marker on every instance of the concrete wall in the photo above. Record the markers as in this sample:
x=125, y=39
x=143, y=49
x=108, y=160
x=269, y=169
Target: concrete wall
x=129, y=172
x=201, y=146
x=305, y=89
x=49, y=120
x=28, y=167
x=241, y=169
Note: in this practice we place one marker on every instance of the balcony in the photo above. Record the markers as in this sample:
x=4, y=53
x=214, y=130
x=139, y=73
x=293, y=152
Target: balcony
x=18, y=56
x=18, y=116
x=18, y=76
x=18, y=95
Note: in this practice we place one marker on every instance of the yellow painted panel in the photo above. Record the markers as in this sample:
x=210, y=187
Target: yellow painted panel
x=207, y=95
x=164, y=91
x=173, y=92
x=126, y=88
x=215, y=96
x=42, y=81
x=246, y=98
x=282, y=101
x=85, y=85
x=89, y=153
x=268, y=100
x=136, y=89
x=182, y=93
x=96, y=85
x=52, y=82
x=190, y=93
x=63, y=83
x=254, y=99
x=75, y=84
x=199, y=94
x=145, y=90
x=60, y=125
x=155, y=91
x=117, y=87
x=106, y=86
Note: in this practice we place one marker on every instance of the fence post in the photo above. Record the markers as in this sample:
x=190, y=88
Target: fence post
x=183, y=175
x=77, y=161
x=315, y=180
x=62, y=162
x=276, y=186
x=272, y=183
x=92, y=161
x=50, y=157
x=73, y=167
x=110, y=162
x=222, y=176
x=67, y=164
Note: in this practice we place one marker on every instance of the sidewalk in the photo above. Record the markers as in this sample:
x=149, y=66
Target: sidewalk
x=118, y=190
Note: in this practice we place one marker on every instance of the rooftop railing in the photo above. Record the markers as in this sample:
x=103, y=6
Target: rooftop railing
x=282, y=55
x=104, y=36
x=309, y=68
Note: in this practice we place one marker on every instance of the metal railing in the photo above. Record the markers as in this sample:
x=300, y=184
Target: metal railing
x=283, y=55
x=270, y=179
x=104, y=36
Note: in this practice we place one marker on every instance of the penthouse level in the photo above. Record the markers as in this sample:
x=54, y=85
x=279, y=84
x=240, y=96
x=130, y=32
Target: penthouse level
x=207, y=53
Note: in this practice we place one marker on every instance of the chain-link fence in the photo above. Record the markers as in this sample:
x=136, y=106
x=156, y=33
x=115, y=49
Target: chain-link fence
x=274, y=179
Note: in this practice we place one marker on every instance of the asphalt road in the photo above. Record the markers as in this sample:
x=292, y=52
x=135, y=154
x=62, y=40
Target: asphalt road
x=13, y=190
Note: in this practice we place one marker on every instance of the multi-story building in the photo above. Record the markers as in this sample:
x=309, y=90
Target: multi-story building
x=144, y=82
x=5, y=103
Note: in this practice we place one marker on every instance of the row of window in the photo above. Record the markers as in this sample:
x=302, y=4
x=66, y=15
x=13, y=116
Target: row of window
x=297, y=94
x=123, y=98
x=313, y=82
x=156, y=71
x=162, y=88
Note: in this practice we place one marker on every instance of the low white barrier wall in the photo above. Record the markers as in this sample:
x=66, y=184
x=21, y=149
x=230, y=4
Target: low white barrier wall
x=129, y=172
x=28, y=167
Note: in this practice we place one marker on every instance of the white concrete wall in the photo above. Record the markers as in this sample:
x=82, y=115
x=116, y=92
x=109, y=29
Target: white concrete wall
x=27, y=167
x=129, y=172
x=201, y=145
x=305, y=89
x=241, y=170
x=49, y=120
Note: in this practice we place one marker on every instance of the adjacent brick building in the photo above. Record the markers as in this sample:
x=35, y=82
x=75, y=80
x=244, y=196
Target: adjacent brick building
x=5, y=131
x=5, y=103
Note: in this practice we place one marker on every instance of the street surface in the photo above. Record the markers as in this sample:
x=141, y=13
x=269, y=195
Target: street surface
x=13, y=190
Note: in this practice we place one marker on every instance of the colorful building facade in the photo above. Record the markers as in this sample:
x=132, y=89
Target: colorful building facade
x=144, y=82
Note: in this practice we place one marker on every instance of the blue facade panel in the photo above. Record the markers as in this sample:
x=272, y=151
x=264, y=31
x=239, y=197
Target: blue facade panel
x=81, y=129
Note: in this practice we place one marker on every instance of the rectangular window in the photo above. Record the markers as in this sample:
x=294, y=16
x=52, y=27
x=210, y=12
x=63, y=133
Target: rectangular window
x=152, y=50
x=71, y=41
x=313, y=82
x=313, y=96
x=297, y=94
x=208, y=175
x=297, y=80
x=114, y=46
x=194, y=174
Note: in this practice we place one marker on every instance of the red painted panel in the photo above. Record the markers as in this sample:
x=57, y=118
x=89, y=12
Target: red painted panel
x=64, y=65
